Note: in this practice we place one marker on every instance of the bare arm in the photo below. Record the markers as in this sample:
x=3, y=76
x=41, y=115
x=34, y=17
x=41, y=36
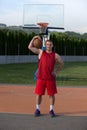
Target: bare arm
x=32, y=48
x=60, y=61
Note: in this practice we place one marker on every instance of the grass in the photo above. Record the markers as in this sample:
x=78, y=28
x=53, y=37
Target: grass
x=73, y=74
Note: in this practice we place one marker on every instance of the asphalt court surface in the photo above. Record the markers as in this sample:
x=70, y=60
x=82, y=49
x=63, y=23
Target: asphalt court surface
x=9, y=121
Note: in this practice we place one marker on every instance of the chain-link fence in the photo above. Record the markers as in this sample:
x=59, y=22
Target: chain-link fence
x=23, y=50
x=15, y=42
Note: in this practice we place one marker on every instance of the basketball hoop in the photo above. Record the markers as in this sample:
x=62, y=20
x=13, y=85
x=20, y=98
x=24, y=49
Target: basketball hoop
x=43, y=27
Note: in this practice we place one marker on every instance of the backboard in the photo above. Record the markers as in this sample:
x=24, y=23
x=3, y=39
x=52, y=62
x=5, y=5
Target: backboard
x=52, y=14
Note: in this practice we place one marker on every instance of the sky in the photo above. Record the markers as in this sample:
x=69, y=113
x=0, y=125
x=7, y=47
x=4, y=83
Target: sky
x=75, y=13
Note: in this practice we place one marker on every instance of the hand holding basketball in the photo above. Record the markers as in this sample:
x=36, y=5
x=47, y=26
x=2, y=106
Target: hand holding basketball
x=37, y=42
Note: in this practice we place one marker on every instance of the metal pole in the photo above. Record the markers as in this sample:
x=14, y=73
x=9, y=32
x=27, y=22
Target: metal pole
x=44, y=38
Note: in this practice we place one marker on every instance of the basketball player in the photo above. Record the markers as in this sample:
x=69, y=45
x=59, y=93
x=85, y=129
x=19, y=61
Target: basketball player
x=46, y=76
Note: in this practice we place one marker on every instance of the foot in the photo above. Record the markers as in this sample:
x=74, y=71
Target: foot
x=37, y=112
x=52, y=114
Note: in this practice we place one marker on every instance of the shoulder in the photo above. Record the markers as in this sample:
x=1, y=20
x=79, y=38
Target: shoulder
x=57, y=56
x=40, y=53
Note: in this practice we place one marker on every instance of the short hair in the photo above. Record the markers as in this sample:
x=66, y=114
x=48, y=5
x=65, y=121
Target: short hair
x=48, y=41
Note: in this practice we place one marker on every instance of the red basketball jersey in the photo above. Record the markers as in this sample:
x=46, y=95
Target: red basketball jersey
x=46, y=66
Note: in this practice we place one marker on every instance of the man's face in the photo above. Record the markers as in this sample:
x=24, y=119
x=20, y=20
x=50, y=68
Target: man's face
x=49, y=46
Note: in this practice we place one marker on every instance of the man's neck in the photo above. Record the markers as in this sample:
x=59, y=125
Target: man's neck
x=49, y=51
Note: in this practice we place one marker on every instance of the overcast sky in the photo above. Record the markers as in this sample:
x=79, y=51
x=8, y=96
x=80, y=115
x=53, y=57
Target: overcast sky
x=75, y=12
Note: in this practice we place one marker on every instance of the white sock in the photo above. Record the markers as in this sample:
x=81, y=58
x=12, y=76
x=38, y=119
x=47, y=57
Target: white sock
x=51, y=107
x=37, y=106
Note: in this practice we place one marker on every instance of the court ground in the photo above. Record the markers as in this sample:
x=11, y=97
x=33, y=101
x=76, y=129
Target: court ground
x=17, y=105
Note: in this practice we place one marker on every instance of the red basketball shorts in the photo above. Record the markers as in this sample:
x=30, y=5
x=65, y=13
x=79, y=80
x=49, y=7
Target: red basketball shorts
x=42, y=85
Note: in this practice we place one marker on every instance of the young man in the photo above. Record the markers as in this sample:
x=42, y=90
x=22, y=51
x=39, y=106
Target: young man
x=46, y=76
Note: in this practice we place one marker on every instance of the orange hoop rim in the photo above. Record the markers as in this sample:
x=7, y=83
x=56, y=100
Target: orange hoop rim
x=42, y=24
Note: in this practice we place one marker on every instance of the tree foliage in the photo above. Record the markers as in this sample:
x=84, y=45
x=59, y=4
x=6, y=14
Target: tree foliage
x=15, y=42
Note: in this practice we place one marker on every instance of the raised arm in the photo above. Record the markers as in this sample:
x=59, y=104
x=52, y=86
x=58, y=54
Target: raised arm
x=32, y=48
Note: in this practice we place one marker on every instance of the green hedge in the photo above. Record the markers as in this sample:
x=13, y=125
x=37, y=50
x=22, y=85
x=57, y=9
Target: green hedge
x=15, y=42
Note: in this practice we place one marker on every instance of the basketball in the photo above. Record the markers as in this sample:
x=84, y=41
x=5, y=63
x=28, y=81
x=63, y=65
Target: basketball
x=37, y=43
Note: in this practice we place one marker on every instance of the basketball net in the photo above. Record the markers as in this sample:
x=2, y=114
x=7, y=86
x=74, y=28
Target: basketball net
x=43, y=29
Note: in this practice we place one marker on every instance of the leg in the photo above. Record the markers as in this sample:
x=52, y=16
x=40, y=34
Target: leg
x=39, y=91
x=52, y=90
x=52, y=102
x=38, y=102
